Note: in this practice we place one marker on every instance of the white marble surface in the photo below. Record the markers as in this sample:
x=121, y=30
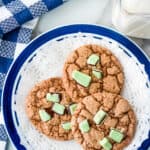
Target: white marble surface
x=82, y=11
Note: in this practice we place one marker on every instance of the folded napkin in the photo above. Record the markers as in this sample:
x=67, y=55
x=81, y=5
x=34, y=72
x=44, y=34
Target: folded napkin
x=12, y=43
x=15, y=34
x=18, y=12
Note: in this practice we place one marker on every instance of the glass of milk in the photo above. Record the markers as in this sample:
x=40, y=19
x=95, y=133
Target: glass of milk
x=132, y=17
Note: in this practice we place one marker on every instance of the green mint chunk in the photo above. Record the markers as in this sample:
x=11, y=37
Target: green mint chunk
x=93, y=59
x=84, y=126
x=116, y=135
x=66, y=126
x=106, y=144
x=72, y=108
x=53, y=97
x=99, y=116
x=58, y=108
x=81, y=78
x=97, y=74
x=44, y=115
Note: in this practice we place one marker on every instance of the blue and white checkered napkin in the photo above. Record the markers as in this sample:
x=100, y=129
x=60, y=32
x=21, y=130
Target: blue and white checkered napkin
x=15, y=33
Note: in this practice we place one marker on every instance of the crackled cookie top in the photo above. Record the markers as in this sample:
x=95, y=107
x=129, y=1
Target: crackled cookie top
x=103, y=121
x=91, y=69
x=47, y=107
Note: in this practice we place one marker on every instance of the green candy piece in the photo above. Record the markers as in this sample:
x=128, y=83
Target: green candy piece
x=93, y=59
x=66, y=126
x=72, y=108
x=58, y=108
x=81, y=78
x=53, y=97
x=84, y=126
x=97, y=74
x=99, y=117
x=116, y=135
x=106, y=144
x=44, y=115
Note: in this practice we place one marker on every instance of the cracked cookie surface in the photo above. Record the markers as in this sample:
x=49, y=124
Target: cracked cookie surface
x=112, y=75
x=120, y=116
x=36, y=100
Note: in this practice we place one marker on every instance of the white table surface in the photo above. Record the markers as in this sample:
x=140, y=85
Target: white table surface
x=81, y=11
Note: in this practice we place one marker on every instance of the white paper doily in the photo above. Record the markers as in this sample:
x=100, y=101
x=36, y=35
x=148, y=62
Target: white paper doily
x=47, y=61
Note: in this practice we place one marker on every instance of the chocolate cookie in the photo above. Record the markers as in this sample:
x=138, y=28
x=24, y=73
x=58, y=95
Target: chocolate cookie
x=46, y=107
x=91, y=69
x=103, y=121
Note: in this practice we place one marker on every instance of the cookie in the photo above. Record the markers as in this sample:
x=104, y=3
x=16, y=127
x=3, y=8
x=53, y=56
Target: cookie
x=91, y=69
x=47, y=108
x=103, y=121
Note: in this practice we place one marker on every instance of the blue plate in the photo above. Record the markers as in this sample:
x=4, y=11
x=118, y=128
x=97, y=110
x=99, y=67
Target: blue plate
x=15, y=68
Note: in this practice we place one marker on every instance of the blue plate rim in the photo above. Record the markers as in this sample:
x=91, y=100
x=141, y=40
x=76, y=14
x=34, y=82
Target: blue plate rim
x=49, y=35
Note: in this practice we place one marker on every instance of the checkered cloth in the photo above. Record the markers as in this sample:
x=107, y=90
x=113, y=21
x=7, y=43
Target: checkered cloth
x=15, y=34
x=18, y=12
